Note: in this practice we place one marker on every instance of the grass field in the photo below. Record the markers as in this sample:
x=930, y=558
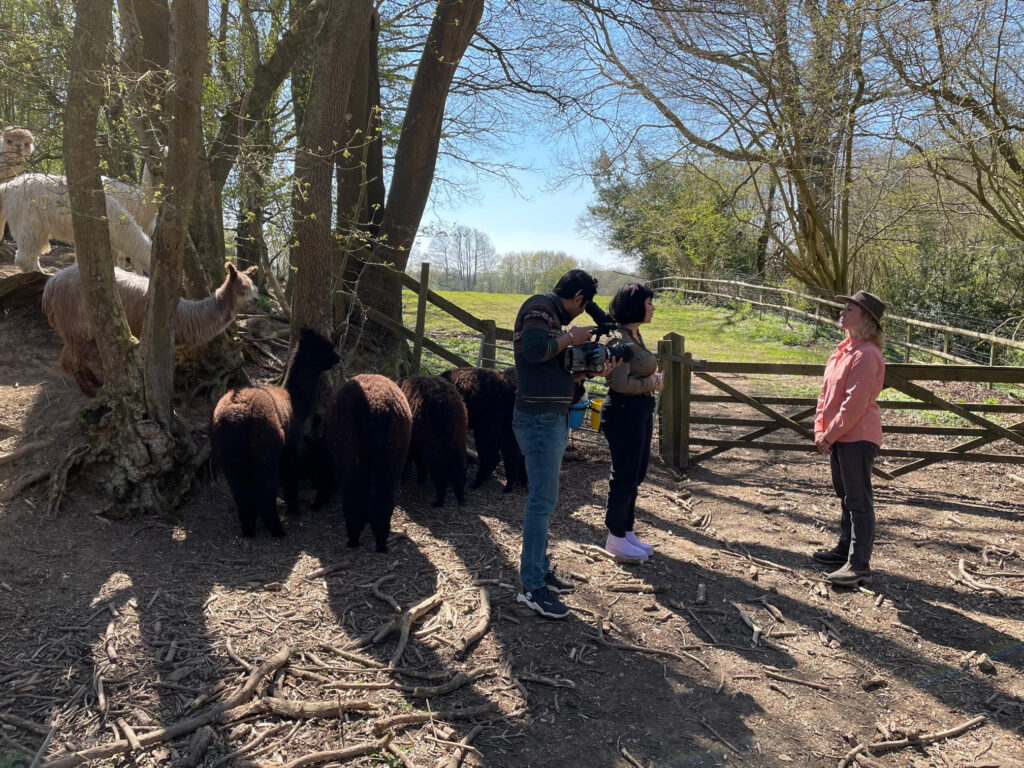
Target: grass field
x=712, y=333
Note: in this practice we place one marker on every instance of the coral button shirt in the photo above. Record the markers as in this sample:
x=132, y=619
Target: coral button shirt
x=854, y=377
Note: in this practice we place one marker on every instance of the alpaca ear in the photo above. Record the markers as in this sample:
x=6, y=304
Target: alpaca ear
x=230, y=269
x=251, y=271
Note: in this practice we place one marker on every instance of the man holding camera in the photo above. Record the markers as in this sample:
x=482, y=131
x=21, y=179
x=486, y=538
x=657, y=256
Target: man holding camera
x=541, y=423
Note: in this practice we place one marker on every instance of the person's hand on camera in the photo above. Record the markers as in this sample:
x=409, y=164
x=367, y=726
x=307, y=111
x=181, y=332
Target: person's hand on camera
x=613, y=363
x=579, y=333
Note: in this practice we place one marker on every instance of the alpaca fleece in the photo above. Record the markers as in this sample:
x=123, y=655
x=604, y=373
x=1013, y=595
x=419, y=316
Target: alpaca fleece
x=369, y=425
x=38, y=210
x=16, y=147
x=438, y=443
x=195, y=322
x=490, y=398
x=257, y=433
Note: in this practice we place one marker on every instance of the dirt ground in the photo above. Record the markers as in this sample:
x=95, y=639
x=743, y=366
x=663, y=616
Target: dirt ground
x=117, y=629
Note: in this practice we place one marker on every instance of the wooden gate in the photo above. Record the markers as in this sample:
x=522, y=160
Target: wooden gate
x=677, y=414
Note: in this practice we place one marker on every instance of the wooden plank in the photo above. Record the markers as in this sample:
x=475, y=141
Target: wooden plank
x=750, y=436
x=974, y=458
x=667, y=418
x=915, y=390
x=488, y=353
x=421, y=316
x=896, y=405
x=896, y=429
x=1005, y=374
x=474, y=322
x=962, y=448
x=428, y=343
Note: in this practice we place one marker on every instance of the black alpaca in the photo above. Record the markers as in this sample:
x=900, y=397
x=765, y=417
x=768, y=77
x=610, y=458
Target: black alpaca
x=438, y=443
x=257, y=435
x=490, y=397
x=369, y=425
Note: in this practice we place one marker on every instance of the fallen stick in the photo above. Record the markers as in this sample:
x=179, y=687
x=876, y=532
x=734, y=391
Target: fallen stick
x=977, y=585
x=382, y=596
x=552, y=681
x=928, y=738
x=775, y=675
x=45, y=745
x=479, y=629
x=629, y=758
x=602, y=640
x=595, y=551
x=312, y=710
x=418, y=718
x=677, y=604
x=851, y=755
x=653, y=589
x=25, y=725
x=335, y=755
x=750, y=623
x=462, y=746
x=214, y=714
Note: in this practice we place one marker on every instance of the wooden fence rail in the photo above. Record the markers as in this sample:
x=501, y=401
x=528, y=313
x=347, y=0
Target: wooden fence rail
x=677, y=417
x=789, y=302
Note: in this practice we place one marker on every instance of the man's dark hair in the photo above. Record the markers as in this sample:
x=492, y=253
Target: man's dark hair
x=576, y=282
x=629, y=303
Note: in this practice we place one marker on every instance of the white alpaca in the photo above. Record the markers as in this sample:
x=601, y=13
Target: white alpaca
x=39, y=210
x=16, y=146
x=141, y=202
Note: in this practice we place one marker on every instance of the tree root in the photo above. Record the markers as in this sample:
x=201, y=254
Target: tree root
x=401, y=624
x=331, y=756
x=418, y=718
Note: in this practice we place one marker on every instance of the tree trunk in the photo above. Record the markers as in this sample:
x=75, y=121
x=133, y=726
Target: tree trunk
x=93, y=32
x=455, y=23
x=185, y=100
x=339, y=45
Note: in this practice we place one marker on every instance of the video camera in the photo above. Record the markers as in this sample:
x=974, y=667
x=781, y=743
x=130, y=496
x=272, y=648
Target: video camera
x=592, y=356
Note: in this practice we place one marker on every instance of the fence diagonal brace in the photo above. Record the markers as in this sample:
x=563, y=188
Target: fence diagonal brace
x=784, y=421
x=978, y=442
x=750, y=437
x=773, y=414
x=927, y=396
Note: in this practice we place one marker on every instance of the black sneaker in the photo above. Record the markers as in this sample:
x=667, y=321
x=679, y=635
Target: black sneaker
x=830, y=557
x=557, y=585
x=848, y=576
x=543, y=602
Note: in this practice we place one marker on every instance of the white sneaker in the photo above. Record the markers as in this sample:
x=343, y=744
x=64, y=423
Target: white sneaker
x=632, y=539
x=621, y=547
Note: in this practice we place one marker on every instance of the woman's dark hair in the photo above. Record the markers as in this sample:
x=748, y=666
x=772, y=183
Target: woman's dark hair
x=629, y=303
x=576, y=282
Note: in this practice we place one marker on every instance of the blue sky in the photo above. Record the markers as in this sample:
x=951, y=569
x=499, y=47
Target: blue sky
x=545, y=220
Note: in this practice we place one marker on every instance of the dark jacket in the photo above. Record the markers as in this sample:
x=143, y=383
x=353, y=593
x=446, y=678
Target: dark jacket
x=544, y=384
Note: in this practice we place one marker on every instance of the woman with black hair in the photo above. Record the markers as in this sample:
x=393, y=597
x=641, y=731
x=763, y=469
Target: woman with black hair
x=627, y=419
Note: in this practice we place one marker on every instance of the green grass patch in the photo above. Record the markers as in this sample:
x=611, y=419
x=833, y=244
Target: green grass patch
x=712, y=333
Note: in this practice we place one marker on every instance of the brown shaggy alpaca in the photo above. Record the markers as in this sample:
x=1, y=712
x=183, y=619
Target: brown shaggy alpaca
x=490, y=398
x=438, y=433
x=257, y=434
x=16, y=146
x=195, y=322
x=368, y=429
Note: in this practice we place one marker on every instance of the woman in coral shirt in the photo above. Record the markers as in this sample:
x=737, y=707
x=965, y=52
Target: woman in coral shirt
x=848, y=427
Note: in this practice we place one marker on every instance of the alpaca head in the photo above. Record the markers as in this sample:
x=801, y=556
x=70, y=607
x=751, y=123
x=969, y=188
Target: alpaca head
x=16, y=145
x=239, y=287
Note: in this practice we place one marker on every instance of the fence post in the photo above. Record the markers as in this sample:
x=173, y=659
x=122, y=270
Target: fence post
x=421, y=316
x=945, y=342
x=817, y=311
x=674, y=413
x=760, y=303
x=488, y=338
x=906, y=354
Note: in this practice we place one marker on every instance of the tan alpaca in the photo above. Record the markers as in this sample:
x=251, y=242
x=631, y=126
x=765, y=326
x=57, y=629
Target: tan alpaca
x=16, y=146
x=195, y=322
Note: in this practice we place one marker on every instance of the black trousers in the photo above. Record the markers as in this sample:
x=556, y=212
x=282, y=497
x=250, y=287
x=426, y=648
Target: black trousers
x=628, y=423
x=851, y=465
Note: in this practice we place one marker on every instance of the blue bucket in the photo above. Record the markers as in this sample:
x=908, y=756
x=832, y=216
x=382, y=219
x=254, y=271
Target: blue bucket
x=576, y=413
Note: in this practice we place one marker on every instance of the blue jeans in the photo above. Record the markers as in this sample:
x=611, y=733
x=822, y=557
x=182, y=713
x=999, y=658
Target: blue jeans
x=542, y=438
